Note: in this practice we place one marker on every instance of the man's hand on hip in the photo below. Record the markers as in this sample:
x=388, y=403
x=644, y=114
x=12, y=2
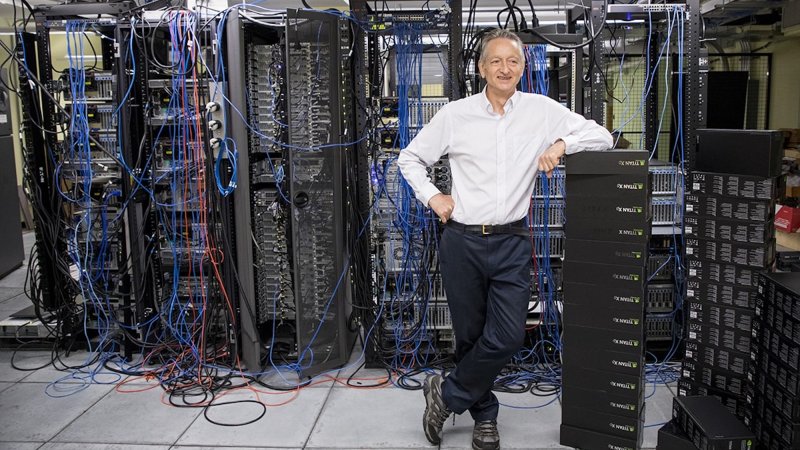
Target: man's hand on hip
x=549, y=159
x=442, y=205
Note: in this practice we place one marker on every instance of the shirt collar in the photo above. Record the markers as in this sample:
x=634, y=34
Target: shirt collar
x=512, y=101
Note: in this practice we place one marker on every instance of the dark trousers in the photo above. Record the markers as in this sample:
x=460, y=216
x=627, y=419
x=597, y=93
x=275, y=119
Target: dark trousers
x=487, y=282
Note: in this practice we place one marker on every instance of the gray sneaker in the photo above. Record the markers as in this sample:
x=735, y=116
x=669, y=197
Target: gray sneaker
x=485, y=435
x=436, y=412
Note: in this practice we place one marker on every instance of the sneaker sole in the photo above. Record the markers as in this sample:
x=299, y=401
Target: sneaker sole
x=478, y=447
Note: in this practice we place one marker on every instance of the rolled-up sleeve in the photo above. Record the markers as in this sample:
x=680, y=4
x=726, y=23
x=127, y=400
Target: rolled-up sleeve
x=578, y=133
x=426, y=148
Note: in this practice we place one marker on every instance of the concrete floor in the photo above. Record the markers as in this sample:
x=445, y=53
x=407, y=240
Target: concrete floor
x=50, y=409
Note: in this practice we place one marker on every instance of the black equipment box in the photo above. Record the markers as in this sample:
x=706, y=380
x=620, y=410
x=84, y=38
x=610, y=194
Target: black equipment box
x=587, y=295
x=743, y=152
x=751, y=255
x=722, y=207
x=722, y=316
x=733, y=361
x=728, y=294
x=625, y=427
x=610, y=162
x=735, y=404
x=710, y=425
x=606, y=252
x=670, y=437
x=745, y=187
x=576, y=437
x=722, y=273
x=729, y=230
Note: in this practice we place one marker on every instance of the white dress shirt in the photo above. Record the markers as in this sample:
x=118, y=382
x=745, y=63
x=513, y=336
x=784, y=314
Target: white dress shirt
x=494, y=158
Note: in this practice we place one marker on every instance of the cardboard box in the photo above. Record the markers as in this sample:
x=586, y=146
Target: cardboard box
x=791, y=136
x=787, y=219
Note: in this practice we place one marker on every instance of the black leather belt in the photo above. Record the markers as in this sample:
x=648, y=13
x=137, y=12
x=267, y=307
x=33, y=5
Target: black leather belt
x=517, y=228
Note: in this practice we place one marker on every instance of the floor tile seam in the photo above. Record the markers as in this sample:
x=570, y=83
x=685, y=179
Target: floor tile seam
x=80, y=415
x=199, y=413
x=319, y=414
x=12, y=297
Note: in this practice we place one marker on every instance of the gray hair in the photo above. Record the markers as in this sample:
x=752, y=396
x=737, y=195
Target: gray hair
x=498, y=34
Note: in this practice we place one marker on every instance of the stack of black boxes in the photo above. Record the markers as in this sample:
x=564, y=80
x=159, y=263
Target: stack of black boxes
x=773, y=389
x=605, y=275
x=729, y=239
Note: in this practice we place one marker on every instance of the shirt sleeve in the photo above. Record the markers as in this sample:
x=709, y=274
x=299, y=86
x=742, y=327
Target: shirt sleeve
x=424, y=150
x=577, y=132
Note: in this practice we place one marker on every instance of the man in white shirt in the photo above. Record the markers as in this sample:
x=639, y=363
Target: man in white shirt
x=495, y=141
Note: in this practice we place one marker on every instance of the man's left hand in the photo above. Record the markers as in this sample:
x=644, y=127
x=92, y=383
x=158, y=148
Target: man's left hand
x=549, y=159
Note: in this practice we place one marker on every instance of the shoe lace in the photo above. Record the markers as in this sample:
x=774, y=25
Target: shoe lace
x=440, y=413
x=486, y=429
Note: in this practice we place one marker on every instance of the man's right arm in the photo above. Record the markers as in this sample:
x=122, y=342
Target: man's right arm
x=425, y=149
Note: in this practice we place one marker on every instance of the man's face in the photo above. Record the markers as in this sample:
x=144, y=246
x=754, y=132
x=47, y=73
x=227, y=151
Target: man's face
x=502, y=65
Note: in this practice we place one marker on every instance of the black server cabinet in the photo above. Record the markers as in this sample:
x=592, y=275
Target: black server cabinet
x=293, y=228
x=10, y=228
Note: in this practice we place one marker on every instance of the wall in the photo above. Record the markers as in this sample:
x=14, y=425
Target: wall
x=784, y=111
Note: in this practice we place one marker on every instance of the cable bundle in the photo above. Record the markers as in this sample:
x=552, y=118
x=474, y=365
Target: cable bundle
x=535, y=76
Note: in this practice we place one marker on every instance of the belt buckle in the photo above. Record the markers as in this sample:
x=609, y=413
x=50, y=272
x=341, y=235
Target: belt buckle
x=484, y=231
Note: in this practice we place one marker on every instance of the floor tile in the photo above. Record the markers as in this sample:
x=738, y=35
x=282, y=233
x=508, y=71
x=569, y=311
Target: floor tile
x=282, y=426
x=20, y=445
x=192, y=447
x=8, y=293
x=658, y=411
x=15, y=279
x=290, y=380
x=375, y=418
x=524, y=422
x=85, y=446
x=105, y=419
x=78, y=367
x=16, y=303
x=362, y=375
x=26, y=407
x=4, y=386
x=22, y=359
